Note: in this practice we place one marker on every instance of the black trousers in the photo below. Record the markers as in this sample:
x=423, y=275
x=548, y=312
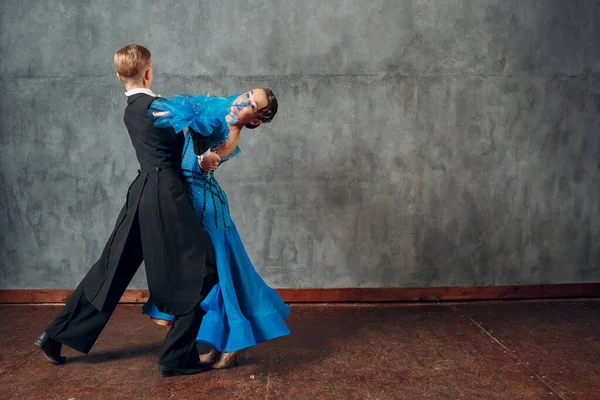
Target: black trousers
x=79, y=323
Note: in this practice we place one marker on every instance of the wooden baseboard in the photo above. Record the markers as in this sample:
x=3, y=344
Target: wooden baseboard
x=353, y=295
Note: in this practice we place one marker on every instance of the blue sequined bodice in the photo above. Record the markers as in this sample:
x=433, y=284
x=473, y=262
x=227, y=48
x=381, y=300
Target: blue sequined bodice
x=208, y=199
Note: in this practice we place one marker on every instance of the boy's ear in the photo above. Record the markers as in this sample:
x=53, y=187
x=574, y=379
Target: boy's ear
x=119, y=77
x=147, y=73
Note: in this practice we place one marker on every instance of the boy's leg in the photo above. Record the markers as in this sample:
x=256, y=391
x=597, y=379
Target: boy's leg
x=178, y=355
x=79, y=323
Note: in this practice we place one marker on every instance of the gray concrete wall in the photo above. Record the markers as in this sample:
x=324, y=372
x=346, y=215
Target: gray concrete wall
x=418, y=143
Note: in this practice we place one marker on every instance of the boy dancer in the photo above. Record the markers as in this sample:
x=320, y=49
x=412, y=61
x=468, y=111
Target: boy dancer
x=157, y=224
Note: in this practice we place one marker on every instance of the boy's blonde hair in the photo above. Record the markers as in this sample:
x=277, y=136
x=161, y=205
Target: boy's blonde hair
x=131, y=60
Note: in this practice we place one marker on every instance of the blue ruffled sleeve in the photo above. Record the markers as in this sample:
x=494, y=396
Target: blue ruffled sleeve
x=205, y=114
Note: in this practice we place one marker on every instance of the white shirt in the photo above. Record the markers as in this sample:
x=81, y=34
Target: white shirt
x=141, y=90
x=151, y=93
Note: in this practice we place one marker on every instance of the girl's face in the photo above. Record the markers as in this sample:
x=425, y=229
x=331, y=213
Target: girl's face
x=246, y=107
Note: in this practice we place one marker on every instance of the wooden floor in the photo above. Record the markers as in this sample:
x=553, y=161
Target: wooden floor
x=493, y=350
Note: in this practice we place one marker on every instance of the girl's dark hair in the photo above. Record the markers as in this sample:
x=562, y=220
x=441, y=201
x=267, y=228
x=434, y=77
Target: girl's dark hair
x=266, y=113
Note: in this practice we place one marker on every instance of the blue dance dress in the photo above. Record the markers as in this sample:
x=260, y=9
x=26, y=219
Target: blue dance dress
x=241, y=310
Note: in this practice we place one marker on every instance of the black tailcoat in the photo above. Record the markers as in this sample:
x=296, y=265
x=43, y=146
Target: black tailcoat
x=174, y=246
